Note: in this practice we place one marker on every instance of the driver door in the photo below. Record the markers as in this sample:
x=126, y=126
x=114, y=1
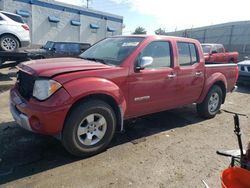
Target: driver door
x=153, y=89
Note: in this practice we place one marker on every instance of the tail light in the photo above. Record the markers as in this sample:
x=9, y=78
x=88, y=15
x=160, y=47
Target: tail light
x=26, y=27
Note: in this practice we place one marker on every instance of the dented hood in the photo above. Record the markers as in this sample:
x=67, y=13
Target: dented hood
x=52, y=67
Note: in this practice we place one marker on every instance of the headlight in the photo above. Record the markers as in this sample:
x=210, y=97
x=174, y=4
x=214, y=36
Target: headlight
x=43, y=88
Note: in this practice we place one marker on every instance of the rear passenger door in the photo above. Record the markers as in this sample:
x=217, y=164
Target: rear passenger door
x=191, y=73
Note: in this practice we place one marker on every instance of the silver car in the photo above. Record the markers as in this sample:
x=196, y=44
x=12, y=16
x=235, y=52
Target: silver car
x=14, y=33
x=244, y=71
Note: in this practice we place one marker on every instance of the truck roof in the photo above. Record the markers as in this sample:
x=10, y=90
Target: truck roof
x=158, y=37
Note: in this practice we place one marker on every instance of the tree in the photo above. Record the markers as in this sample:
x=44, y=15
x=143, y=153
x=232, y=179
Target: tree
x=140, y=31
x=160, y=31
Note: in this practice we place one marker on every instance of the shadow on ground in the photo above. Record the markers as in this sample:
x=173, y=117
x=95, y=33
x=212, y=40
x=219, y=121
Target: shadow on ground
x=243, y=88
x=23, y=153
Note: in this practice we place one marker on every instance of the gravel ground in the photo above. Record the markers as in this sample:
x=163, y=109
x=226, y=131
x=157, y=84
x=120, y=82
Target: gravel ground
x=174, y=148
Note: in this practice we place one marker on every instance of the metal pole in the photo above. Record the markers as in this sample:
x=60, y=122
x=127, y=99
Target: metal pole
x=230, y=38
x=238, y=133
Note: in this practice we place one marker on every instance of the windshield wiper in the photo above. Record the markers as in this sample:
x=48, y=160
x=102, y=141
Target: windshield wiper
x=95, y=59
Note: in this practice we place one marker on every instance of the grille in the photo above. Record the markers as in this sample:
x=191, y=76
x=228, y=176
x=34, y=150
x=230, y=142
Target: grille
x=25, y=84
x=245, y=68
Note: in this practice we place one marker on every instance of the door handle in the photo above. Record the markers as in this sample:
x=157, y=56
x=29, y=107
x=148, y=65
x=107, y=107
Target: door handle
x=198, y=74
x=172, y=75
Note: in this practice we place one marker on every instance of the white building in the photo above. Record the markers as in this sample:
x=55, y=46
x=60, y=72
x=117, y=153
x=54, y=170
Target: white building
x=52, y=20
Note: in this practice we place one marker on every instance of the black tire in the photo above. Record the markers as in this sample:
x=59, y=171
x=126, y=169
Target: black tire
x=74, y=143
x=205, y=109
x=13, y=41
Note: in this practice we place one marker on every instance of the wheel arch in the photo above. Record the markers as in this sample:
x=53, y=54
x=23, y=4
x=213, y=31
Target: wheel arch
x=19, y=42
x=215, y=79
x=119, y=112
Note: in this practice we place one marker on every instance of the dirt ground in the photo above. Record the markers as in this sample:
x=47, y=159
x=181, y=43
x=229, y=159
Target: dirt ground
x=174, y=148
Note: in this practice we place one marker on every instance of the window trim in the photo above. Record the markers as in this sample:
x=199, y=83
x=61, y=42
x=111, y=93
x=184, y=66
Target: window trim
x=171, y=55
x=196, y=51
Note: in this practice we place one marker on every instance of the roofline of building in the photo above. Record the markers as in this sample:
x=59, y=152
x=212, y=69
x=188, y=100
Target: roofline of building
x=214, y=26
x=74, y=9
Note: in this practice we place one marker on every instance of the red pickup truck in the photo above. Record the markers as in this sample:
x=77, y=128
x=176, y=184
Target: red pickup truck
x=83, y=101
x=215, y=53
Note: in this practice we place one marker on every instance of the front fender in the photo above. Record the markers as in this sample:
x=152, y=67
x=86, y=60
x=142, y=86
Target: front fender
x=83, y=87
x=210, y=81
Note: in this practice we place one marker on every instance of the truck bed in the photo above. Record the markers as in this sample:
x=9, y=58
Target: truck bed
x=228, y=72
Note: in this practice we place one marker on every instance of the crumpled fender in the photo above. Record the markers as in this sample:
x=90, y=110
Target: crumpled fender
x=210, y=81
x=83, y=87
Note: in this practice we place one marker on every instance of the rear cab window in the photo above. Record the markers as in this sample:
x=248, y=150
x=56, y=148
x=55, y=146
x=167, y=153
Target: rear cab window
x=187, y=53
x=14, y=17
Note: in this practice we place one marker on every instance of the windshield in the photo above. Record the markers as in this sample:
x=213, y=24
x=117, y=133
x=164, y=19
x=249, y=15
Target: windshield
x=112, y=50
x=49, y=45
x=206, y=48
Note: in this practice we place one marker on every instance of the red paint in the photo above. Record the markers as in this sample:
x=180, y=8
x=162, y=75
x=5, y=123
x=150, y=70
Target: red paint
x=81, y=78
x=221, y=56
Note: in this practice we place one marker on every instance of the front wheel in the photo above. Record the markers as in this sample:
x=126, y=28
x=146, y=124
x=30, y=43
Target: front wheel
x=211, y=104
x=89, y=128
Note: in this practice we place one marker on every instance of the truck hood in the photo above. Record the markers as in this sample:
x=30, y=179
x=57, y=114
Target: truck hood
x=52, y=67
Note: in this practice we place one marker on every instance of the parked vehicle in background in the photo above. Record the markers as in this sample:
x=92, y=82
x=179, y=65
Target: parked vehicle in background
x=244, y=75
x=215, y=53
x=58, y=49
x=83, y=101
x=14, y=33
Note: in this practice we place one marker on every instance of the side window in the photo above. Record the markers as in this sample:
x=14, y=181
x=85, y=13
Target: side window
x=214, y=49
x=160, y=52
x=193, y=53
x=187, y=53
x=1, y=18
x=14, y=17
x=220, y=49
x=74, y=48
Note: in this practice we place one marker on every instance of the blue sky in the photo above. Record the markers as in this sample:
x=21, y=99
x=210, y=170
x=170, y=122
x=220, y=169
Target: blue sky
x=171, y=15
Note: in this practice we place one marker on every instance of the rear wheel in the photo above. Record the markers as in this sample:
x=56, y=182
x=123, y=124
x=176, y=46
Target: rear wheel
x=9, y=43
x=89, y=128
x=211, y=104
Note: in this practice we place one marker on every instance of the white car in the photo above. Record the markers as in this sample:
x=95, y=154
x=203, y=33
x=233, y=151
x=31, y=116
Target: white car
x=14, y=33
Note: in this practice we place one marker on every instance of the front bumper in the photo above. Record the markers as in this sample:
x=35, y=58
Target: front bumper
x=25, y=43
x=244, y=79
x=45, y=117
x=20, y=118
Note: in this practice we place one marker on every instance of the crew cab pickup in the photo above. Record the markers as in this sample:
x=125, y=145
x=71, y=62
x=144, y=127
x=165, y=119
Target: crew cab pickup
x=215, y=53
x=83, y=101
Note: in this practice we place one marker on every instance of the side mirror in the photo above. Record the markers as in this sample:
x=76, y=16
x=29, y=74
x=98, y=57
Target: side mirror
x=214, y=52
x=52, y=49
x=144, y=62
